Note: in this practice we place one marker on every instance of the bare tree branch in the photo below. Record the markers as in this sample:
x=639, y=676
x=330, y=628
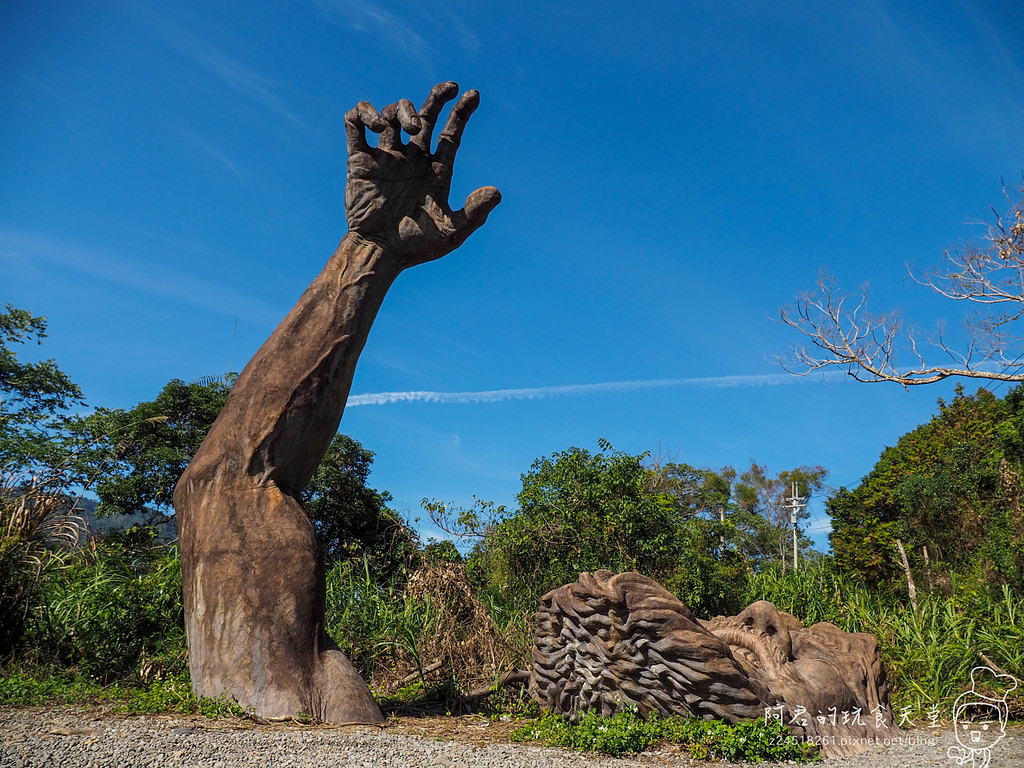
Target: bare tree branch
x=843, y=334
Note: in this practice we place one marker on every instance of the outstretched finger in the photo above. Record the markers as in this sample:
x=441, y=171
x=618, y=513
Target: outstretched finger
x=397, y=117
x=407, y=117
x=440, y=95
x=451, y=136
x=361, y=116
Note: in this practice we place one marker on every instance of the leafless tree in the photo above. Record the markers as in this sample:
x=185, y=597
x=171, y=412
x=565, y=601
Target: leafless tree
x=987, y=276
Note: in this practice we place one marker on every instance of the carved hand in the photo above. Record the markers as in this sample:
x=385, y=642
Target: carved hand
x=397, y=193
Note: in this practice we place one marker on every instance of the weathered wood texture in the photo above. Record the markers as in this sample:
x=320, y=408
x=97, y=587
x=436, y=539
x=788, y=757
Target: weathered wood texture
x=831, y=683
x=253, y=588
x=609, y=641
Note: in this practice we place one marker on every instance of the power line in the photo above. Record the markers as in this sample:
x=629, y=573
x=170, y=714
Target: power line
x=1008, y=367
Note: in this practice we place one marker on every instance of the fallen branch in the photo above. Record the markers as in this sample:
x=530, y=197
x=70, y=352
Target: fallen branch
x=995, y=667
x=426, y=671
x=520, y=676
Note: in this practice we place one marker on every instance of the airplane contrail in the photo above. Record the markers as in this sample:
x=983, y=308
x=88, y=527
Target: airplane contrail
x=568, y=390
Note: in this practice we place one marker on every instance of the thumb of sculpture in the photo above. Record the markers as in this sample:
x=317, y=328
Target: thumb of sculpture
x=480, y=203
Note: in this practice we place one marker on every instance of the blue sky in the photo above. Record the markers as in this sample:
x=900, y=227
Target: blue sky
x=172, y=177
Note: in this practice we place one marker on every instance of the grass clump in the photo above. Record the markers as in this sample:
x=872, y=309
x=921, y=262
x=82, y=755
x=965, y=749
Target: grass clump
x=45, y=686
x=422, y=643
x=220, y=707
x=38, y=686
x=626, y=732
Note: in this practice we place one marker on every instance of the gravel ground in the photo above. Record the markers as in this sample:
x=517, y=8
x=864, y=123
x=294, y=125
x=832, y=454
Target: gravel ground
x=90, y=738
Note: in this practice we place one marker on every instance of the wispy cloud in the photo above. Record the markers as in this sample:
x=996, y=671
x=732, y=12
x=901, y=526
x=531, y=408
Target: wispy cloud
x=19, y=248
x=453, y=20
x=370, y=18
x=212, y=152
x=917, y=53
x=222, y=65
x=572, y=390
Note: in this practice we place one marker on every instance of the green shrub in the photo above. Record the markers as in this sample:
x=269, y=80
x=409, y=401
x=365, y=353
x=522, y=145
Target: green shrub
x=44, y=685
x=625, y=732
x=578, y=511
x=112, y=612
x=710, y=579
x=173, y=694
x=222, y=706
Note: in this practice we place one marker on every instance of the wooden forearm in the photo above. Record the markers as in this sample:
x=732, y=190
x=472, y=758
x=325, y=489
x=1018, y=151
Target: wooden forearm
x=287, y=403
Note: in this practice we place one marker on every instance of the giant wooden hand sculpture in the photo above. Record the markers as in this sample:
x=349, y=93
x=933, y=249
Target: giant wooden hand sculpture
x=253, y=589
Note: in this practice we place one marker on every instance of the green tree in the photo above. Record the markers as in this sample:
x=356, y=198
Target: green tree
x=951, y=487
x=693, y=490
x=753, y=503
x=763, y=495
x=579, y=511
x=34, y=505
x=711, y=573
x=352, y=520
x=33, y=396
x=863, y=536
x=139, y=454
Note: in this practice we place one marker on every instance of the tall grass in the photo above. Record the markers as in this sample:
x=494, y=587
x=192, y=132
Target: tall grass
x=111, y=614
x=929, y=651
x=38, y=524
x=375, y=625
x=40, y=529
x=429, y=638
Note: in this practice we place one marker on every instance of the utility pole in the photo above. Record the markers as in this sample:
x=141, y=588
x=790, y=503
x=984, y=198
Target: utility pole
x=796, y=503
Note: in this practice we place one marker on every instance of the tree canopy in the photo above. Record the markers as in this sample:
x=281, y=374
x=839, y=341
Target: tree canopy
x=137, y=455
x=951, y=488
x=765, y=500
x=353, y=520
x=582, y=511
x=34, y=396
x=34, y=509
x=754, y=503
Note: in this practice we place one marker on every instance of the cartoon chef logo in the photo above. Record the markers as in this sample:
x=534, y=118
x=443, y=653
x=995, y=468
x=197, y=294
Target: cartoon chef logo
x=979, y=717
